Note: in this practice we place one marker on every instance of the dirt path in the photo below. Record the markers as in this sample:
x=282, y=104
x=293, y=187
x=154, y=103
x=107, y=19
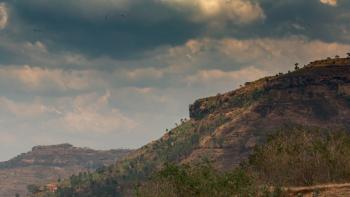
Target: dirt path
x=330, y=190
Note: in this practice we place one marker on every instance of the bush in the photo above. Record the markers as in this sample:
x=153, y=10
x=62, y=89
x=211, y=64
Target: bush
x=198, y=180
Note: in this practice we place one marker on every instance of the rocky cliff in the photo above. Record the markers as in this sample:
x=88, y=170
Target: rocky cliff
x=316, y=95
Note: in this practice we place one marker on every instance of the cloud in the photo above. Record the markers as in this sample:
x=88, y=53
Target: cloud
x=125, y=29
x=95, y=29
x=38, y=79
x=3, y=16
x=216, y=75
x=23, y=109
x=168, y=66
x=91, y=113
x=237, y=11
x=329, y=2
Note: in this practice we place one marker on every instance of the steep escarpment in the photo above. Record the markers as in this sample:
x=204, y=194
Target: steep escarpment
x=225, y=128
x=317, y=95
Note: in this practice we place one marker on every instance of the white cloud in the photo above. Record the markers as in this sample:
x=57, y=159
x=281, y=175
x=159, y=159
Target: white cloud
x=238, y=11
x=92, y=113
x=23, y=109
x=3, y=16
x=37, y=78
x=329, y=2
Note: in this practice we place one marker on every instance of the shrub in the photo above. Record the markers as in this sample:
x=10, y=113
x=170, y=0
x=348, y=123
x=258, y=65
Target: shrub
x=198, y=180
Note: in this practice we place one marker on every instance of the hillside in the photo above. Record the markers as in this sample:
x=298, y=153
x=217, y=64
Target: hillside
x=45, y=164
x=226, y=128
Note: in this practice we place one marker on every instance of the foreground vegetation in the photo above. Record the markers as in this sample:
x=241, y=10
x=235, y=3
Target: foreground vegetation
x=291, y=157
x=302, y=157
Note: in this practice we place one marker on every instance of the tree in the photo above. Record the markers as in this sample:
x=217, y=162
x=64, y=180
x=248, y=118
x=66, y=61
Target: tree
x=348, y=55
x=337, y=56
x=296, y=66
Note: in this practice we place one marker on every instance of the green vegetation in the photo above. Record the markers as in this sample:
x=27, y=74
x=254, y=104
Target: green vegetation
x=93, y=184
x=197, y=180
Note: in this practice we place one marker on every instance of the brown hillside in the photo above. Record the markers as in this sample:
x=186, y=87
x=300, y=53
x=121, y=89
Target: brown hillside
x=226, y=127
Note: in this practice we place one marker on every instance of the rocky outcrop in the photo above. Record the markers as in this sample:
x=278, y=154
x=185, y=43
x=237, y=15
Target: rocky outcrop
x=318, y=74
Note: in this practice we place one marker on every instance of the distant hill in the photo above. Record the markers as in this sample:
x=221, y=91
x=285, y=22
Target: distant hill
x=227, y=127
x=44, y=164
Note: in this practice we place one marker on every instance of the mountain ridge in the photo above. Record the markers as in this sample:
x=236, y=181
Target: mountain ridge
x=64, y=154
x=46, y=164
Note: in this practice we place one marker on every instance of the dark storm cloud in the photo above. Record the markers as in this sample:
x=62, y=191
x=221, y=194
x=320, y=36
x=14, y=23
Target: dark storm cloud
x=112, y=31
x=128, y=29
x=312, y=19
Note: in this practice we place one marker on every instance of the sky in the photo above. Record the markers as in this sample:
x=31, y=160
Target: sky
x=117, y=73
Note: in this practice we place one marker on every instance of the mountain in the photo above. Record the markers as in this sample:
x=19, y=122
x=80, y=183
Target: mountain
x=225, y=128
x=44, y=164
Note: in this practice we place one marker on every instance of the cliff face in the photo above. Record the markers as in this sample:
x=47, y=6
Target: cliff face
x=302, y=83
x=317, y=95
x=46, y=164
